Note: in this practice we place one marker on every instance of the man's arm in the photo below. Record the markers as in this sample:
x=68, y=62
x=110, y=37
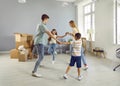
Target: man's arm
x=49, y=34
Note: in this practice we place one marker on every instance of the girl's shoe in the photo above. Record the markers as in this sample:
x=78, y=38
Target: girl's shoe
x=53, y=62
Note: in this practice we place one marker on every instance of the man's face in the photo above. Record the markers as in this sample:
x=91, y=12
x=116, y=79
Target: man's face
x=46, y=20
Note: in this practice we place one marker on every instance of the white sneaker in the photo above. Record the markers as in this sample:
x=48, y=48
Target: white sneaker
x=53, y=62
x=36, y=75
x=85, y=68
x=55, y=53
x=80, y=77
x=65, y=76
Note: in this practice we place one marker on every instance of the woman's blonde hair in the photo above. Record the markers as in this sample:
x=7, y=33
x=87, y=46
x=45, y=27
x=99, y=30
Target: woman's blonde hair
x=73, y=25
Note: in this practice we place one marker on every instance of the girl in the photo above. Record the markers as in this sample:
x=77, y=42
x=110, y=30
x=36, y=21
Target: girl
x=74, y=31
x=53, y=43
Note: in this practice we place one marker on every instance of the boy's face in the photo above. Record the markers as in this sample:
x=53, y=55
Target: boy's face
x=75, y=38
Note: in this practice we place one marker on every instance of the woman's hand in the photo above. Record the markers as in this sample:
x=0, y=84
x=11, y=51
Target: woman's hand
x=67, y=33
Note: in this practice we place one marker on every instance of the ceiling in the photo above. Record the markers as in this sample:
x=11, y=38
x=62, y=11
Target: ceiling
x=67, y=0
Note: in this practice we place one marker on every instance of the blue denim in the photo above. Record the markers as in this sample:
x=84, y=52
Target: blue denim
x=83, y=58
x=40, y=52
x=51, y=50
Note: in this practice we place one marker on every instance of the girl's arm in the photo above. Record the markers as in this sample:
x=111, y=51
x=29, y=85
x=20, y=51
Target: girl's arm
x=62, y=36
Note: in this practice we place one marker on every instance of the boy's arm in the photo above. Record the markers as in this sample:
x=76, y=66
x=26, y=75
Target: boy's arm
x=66, y=43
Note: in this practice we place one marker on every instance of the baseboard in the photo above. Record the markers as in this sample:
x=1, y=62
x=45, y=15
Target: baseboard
x=4, y=51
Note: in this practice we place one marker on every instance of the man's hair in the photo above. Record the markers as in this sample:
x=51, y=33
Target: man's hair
x=44, y=16
x=78, y=35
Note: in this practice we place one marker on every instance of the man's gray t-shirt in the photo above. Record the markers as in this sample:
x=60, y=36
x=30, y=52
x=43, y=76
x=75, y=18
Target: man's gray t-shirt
x=40, y=37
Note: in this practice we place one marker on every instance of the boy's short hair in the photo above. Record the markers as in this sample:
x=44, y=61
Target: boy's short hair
x=78, y=35
x=44, y=16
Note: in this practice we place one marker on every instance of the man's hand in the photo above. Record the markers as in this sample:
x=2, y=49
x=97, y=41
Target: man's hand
x=59, y=42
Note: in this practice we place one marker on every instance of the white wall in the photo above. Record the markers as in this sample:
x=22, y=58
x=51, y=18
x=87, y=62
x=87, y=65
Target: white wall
x=104, y=27
x=104, y=24
x=23, y=18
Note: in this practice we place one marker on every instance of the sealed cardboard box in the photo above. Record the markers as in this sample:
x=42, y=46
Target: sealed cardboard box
x=14, y=54
x=30, y=56
x=26, y=44
x=22, y=57
x=26, y=37
x=23, y=37
x=17, y=37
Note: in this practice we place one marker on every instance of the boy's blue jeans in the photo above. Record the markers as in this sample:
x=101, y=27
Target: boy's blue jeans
x=51, y=50
x=39, y=48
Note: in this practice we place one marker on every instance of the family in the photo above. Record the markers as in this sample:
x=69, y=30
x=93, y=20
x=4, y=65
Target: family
x=77, y=54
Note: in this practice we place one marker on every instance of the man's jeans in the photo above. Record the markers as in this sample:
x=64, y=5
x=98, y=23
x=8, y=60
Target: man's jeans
x=39, y=48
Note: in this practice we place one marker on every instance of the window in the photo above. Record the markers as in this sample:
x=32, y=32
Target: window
x=117, y=22
x=89, y=20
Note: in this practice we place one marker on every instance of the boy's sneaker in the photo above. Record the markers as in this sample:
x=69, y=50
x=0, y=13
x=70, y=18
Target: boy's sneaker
x=85, y=67
x=36, y=75
x=65, y=76
x=80, y=77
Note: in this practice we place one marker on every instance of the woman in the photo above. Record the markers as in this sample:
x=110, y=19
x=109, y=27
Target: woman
x=74, y=31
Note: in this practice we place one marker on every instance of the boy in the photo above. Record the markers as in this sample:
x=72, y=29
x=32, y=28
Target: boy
x=39, y=42
x=76, y=55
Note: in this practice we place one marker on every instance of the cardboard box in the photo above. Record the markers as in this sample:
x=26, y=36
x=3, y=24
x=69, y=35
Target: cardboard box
x=14, y=54
x=26, y=44
x=17, y=37
x=26, y=37
x=30, y=56
x=22, y=57
x=23, y=37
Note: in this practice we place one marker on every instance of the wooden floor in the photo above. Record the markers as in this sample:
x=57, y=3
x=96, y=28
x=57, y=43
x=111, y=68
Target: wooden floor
x=100, y=72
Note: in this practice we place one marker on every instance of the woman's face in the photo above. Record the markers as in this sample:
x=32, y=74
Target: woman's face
x=71, y=25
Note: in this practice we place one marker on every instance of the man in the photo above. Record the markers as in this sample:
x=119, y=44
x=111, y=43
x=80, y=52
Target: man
x=39, y=42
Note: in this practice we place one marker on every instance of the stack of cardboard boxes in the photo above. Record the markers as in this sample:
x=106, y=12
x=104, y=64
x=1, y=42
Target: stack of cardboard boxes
x=25, y=40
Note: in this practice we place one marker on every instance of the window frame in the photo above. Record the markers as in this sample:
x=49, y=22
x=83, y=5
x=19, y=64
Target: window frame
x=91, y=13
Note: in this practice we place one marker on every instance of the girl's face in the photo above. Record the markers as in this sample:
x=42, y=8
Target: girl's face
x=54, y=32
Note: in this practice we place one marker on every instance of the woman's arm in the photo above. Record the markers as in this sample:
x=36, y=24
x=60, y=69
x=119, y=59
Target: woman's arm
x=72, y=34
